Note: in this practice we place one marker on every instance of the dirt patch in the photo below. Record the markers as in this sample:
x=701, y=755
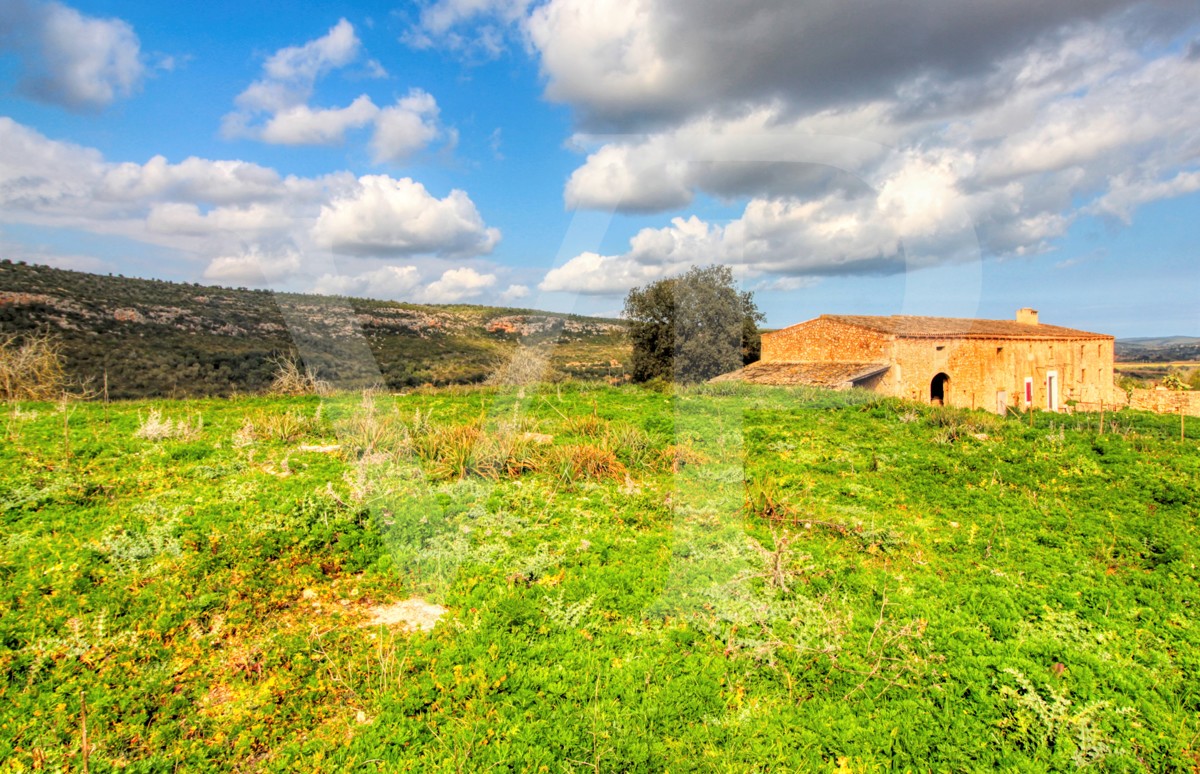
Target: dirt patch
x=411, y=614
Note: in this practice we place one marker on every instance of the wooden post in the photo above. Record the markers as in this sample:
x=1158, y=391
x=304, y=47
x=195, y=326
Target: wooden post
x=83, y=747
x=1102, y=416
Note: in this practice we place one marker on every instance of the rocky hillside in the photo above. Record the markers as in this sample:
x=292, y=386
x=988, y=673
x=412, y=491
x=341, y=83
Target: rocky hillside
x=151, y=337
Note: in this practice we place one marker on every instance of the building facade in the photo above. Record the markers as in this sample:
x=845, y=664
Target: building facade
x=967, y=363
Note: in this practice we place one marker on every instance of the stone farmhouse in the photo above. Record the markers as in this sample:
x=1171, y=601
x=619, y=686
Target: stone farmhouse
x=967, y=363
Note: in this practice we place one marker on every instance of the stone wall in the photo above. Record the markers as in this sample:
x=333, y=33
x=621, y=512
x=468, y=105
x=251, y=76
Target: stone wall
x=1163, y=401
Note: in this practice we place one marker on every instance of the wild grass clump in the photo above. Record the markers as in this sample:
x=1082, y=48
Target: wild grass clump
x=586, y=425
x=156, y=427
x=587, y=462
x=294, y=378
x=288, y=427
x=31, y=369
x=368, y=432
x=459, y=451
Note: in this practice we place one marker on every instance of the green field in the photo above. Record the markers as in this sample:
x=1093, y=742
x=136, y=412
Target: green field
x=708, y=579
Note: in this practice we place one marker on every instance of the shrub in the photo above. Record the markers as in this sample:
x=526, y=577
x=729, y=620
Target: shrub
x=292, y=378
x=527, y=365
x=31, y=369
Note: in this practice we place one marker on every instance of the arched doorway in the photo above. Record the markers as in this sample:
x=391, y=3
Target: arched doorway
x=939, y=389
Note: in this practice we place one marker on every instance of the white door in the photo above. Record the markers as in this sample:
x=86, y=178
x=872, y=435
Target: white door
x=1052, y=391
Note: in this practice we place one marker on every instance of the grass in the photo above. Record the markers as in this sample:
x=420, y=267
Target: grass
x=717, y=578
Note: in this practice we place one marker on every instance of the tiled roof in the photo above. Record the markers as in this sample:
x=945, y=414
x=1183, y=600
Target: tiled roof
x=815, y=374
x=910, y=326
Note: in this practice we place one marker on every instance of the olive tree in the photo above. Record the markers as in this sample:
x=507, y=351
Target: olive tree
x=692, y=327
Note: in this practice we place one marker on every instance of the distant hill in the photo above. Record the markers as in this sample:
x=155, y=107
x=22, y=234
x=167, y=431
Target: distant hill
x=156, y=338
x=1163, y=349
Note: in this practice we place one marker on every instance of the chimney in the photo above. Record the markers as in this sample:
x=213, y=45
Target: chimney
x=1027, y=316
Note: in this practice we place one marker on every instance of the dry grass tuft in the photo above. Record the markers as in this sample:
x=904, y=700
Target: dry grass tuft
x=588, y=462
x=31, y=369
x=677, y=456
x=526, y=366
x=293, y=378
x=156, y=428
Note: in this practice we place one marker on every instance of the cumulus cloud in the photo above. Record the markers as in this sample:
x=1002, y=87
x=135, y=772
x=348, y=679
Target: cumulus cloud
x=407, y=283
x=290, y=73
x=457, y=285
x=386, y=216
x=69, y=59
x=406, y=127
x=275, y=109
x=388, y=282
x=246, y=223
x=302, y=125
x=907, y=135
x=514, y=293
x=253, y=267
x=637, y=63
x=1085, y=119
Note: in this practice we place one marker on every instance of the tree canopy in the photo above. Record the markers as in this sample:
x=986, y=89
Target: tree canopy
x=692, y=327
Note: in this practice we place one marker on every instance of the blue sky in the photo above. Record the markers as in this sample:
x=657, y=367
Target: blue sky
x=852, y=156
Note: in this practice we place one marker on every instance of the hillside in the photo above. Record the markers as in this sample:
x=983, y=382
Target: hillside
x=1165, y=349
x=615, y=579
x=171, y=339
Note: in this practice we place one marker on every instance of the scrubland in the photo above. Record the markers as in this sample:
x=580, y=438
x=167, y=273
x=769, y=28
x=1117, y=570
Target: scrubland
x=703, y=579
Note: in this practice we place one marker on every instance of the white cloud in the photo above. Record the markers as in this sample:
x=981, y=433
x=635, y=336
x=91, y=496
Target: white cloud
x=406, y=127
x=1085, y=125
x=514, y=293
x=280, y=97
x=275, y=109
x=439, y=24
x=245, y=222
x=915, y=218
x=290, y=73
x=385, y=216
x=907, y=135
x=1125, y=194
x=387, y=282
x=253, y=267
x=407, y=283
x=592, y=273
x=302, y=125
x=457, y=285
x=77, y=61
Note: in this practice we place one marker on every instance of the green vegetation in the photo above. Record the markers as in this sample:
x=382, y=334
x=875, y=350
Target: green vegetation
x=716, y=578
x=144, y=338
x=693, y=327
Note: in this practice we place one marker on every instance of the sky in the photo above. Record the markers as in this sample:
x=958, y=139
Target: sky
x=842, y=156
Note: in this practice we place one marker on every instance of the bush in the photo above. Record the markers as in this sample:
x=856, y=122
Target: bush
x=31, y=369
x=291, y=378
x=692, y=327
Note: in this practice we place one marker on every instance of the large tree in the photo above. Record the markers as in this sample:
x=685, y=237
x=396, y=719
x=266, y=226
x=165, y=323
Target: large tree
x=692, y=327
